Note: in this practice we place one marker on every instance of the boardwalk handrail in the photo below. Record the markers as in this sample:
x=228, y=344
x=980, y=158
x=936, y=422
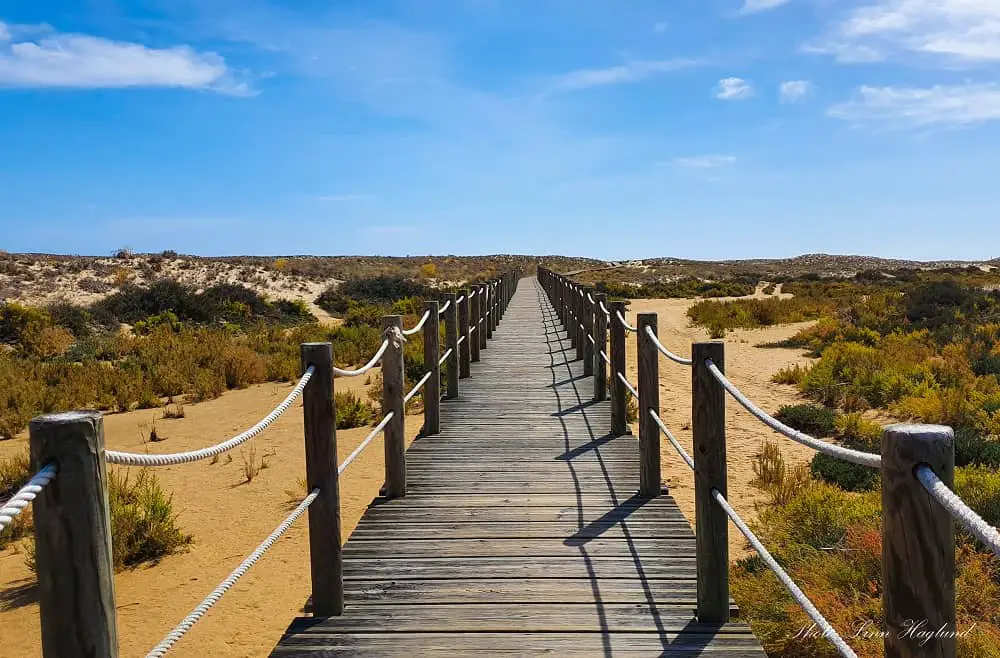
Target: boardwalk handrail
x=69, y=488
x=917, y=464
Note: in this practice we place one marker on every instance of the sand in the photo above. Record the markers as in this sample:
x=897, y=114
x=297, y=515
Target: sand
x=228, y=517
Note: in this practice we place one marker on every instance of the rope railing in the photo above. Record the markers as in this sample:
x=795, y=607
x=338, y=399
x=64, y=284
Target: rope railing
x=631, y=389
x=364, y=444
x=418, y=386
x=664, y=351
x=444, y=357
x=209, y=601
x=604, y=308
x=444, y=308
x=419, y=326
x=670, y=437
x=136, y=459
x=786, y=580
x=23, y=497
x=625, y=324
x=959, y=510
x=847, y=454
x=606, y=358
x=368, y=366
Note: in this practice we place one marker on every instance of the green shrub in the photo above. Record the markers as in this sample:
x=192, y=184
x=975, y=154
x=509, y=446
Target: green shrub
x=14, y=473
x=971, y=447
x=979, y=487
x=793, y=374
x=352, y=411
x=809, y=418
x=847, y=476
x=378, y=290
x=143, y=524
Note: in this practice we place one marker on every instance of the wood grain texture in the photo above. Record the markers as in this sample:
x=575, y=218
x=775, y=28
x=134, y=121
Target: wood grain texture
x=325, y=557
x=918, y=542
x=649, y=398
x=523, y=531
x=474, y=314
x=465, y=349
x=619, y=422
x=708, y=425
x=432, y=352
x=451, y=342
x=394, y=434
x=601, y=336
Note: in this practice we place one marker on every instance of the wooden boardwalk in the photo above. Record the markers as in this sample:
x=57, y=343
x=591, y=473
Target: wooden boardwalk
x=521, y=531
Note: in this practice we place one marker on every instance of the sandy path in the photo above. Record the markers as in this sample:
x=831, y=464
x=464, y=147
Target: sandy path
x=227, y=517
x=750, y=368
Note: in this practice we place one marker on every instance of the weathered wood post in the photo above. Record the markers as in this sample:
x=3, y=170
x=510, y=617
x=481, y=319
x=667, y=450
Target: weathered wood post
x=649, y=398
x=619, y=417
x=918, y=544
x=480, y=317
x=465, y=348
x=708, y=424
x=451, y=342
x=326, y=560
x=578, y=326
x=503, y=298
x=588, y=333
x=571, y=322
x=601, y=336
x=394, y=436
x=432, y=389
x=495, y=312
x=474, y=324
x=492, y=297
x=76, y=590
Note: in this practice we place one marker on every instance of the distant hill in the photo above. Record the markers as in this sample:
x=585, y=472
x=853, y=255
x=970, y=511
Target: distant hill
x=826, y=264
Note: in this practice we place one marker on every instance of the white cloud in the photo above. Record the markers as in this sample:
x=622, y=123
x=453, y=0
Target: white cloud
x=754, y=6
x=616, y=75
x=795, y=90
x=956, y=31
x=915, y=107
x=733, y=89
x=660, y=27
x=704, y=161
x=4, y=32
x=80, y=61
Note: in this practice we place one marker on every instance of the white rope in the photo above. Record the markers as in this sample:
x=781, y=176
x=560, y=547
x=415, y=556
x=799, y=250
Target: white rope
x=664, y=351
x=631, y=389
x=16, y=503
x=673, y=440
x=786, y=580
x=460, y=340
x=171, y=639
x=605, y=309
x=364, y=444
x=444, y=357
x=368, y=366
x=135, y=459
x=974, y=523
x=625, y=324
x=591, y=339
x=473, y=328
x=605, y=357
x=460, y=299
x=445, y=307
x=854, y=456
x=416, y=388
x=420, y=325
x=591, y=299
x=472, y=294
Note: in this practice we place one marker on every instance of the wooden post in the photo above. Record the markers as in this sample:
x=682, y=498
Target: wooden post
x=394, y=436
x=588, y=333
x=474, y=324
x=465, y=349
x=326, y=561
x=502, y=287
x=492, y=298
x=619, y=418
x=708, y=424
x=649, y=398
x=918, y=543
x=495, y=311
x=481, y=315
x=432, y=352
x=451, y=342
x=76, y=590
x=601, y=335
x=571, y=327
x=578, y=326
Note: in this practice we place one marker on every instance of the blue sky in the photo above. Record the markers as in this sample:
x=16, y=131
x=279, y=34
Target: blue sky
x=614, y=129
